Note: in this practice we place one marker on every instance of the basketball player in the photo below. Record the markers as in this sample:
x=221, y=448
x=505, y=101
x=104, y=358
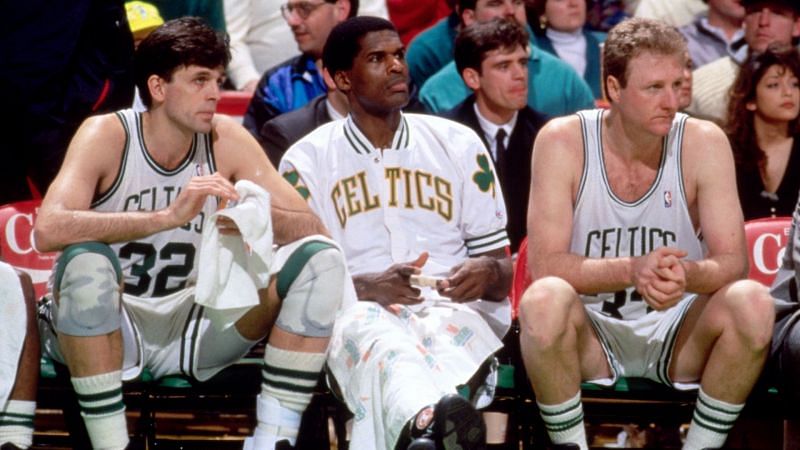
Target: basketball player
x=406, y=195
x=622, y=284
x=127, y=210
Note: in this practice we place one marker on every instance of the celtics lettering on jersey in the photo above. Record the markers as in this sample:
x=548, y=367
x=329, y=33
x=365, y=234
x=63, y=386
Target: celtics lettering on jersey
x=622, y=242
x=637, y=240
x=606, y=226
x=406, y=188
x=165, y=262
x=159, y=272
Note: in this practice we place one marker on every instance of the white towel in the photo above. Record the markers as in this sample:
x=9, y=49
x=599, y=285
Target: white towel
x=12, y=332
x=233, y=268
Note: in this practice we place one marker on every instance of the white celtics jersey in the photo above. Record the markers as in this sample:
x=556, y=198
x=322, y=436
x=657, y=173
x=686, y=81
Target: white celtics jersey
x=434, y=190
x=605, y=226
x=167, y=261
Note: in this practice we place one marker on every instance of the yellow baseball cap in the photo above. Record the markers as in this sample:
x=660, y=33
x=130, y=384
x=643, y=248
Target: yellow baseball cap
x=143, y=17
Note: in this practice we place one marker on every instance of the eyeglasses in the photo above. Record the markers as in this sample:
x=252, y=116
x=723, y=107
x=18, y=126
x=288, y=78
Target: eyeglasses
x=302, y=9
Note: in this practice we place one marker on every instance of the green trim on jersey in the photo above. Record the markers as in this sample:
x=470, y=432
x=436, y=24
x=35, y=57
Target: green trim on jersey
x=672, y=337
x=679, y=155
x=152, y=162
x=487, y=242
x=362, y=146
x=653, y=185
x=118, y=179
x=295, y=264
x=585, y=171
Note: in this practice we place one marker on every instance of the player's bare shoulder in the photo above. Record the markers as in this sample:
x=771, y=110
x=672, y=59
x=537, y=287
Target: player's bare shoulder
x=704, y=141
x=234, y=146
x=99, y=143
x=560, y=140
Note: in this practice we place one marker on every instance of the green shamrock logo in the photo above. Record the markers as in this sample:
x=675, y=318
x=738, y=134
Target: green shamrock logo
x=484, y=178
x=294, y=179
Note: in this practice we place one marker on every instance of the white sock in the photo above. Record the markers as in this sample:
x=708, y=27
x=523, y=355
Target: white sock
x=712, y=421
x=100, y=399
x=16, y=423
x=564, y=422
x=288, y=381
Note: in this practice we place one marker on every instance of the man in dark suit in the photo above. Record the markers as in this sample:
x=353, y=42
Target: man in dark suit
x=492, y=58
x=279, y=133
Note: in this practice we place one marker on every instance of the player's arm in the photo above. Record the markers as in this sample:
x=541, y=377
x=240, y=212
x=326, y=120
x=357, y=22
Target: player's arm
x=710, y=180
x=486, y=276
x=556, y=169
x=91, y=162
x=240, y=157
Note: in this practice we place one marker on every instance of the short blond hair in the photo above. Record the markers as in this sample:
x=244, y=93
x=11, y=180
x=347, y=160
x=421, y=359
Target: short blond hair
x=633, y=37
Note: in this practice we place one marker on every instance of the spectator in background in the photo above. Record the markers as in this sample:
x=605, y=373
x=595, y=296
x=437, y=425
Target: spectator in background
x=716, y=33
x=143, y=18
x=492, y=58
x=685, y=95
x=261, y=39
x=553, y=87
x=278, y=134
x=603, y=14
x=413, y=16
x=673, y=12
x=762, y=125
x=210, y=10
x=433, y=48
x=562, y=32
x=766, y=22
x=53, y=80
x=295, y=82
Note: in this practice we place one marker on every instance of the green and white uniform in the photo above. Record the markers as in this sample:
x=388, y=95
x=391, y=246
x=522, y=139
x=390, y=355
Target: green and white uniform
x=637, y=340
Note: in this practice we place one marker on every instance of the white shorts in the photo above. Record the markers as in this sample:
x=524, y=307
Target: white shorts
x=641, y=347
x=169, y=335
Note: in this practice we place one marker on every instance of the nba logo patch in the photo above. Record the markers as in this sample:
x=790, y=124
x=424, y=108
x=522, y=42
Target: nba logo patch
x=667, y=199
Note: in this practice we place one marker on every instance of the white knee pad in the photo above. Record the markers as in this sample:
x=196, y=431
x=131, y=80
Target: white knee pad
x=311, y=284
x=88, y=286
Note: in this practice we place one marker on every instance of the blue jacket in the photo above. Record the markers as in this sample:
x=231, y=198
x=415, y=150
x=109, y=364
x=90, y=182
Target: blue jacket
x=284, y=88
x=554, y=88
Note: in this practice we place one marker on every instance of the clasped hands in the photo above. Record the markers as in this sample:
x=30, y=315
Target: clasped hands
x=660, y=277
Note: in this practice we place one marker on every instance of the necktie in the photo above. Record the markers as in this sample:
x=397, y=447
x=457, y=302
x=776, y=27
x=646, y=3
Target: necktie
x=500, y=153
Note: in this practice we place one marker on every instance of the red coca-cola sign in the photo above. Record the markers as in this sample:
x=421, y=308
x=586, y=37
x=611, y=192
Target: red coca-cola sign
x=16, y=243
x=766, y=244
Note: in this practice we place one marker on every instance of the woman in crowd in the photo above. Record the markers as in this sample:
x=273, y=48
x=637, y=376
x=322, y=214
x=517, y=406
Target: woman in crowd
x=762, y=126
x=562, y=31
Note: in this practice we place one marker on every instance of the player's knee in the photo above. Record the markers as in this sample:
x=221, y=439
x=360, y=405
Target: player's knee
x=311, y=286
x=753, y=311
x=544, y=309
x=89, y=298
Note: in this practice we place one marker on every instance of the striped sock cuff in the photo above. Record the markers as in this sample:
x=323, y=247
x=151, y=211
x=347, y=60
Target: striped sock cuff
x=290, y=377
x=100, y=395
x=18, y=413
x=564, y=421
x=16, y=423
x=715, y=415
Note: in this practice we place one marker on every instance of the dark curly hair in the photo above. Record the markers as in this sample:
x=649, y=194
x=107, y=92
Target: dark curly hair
x=740, y=125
